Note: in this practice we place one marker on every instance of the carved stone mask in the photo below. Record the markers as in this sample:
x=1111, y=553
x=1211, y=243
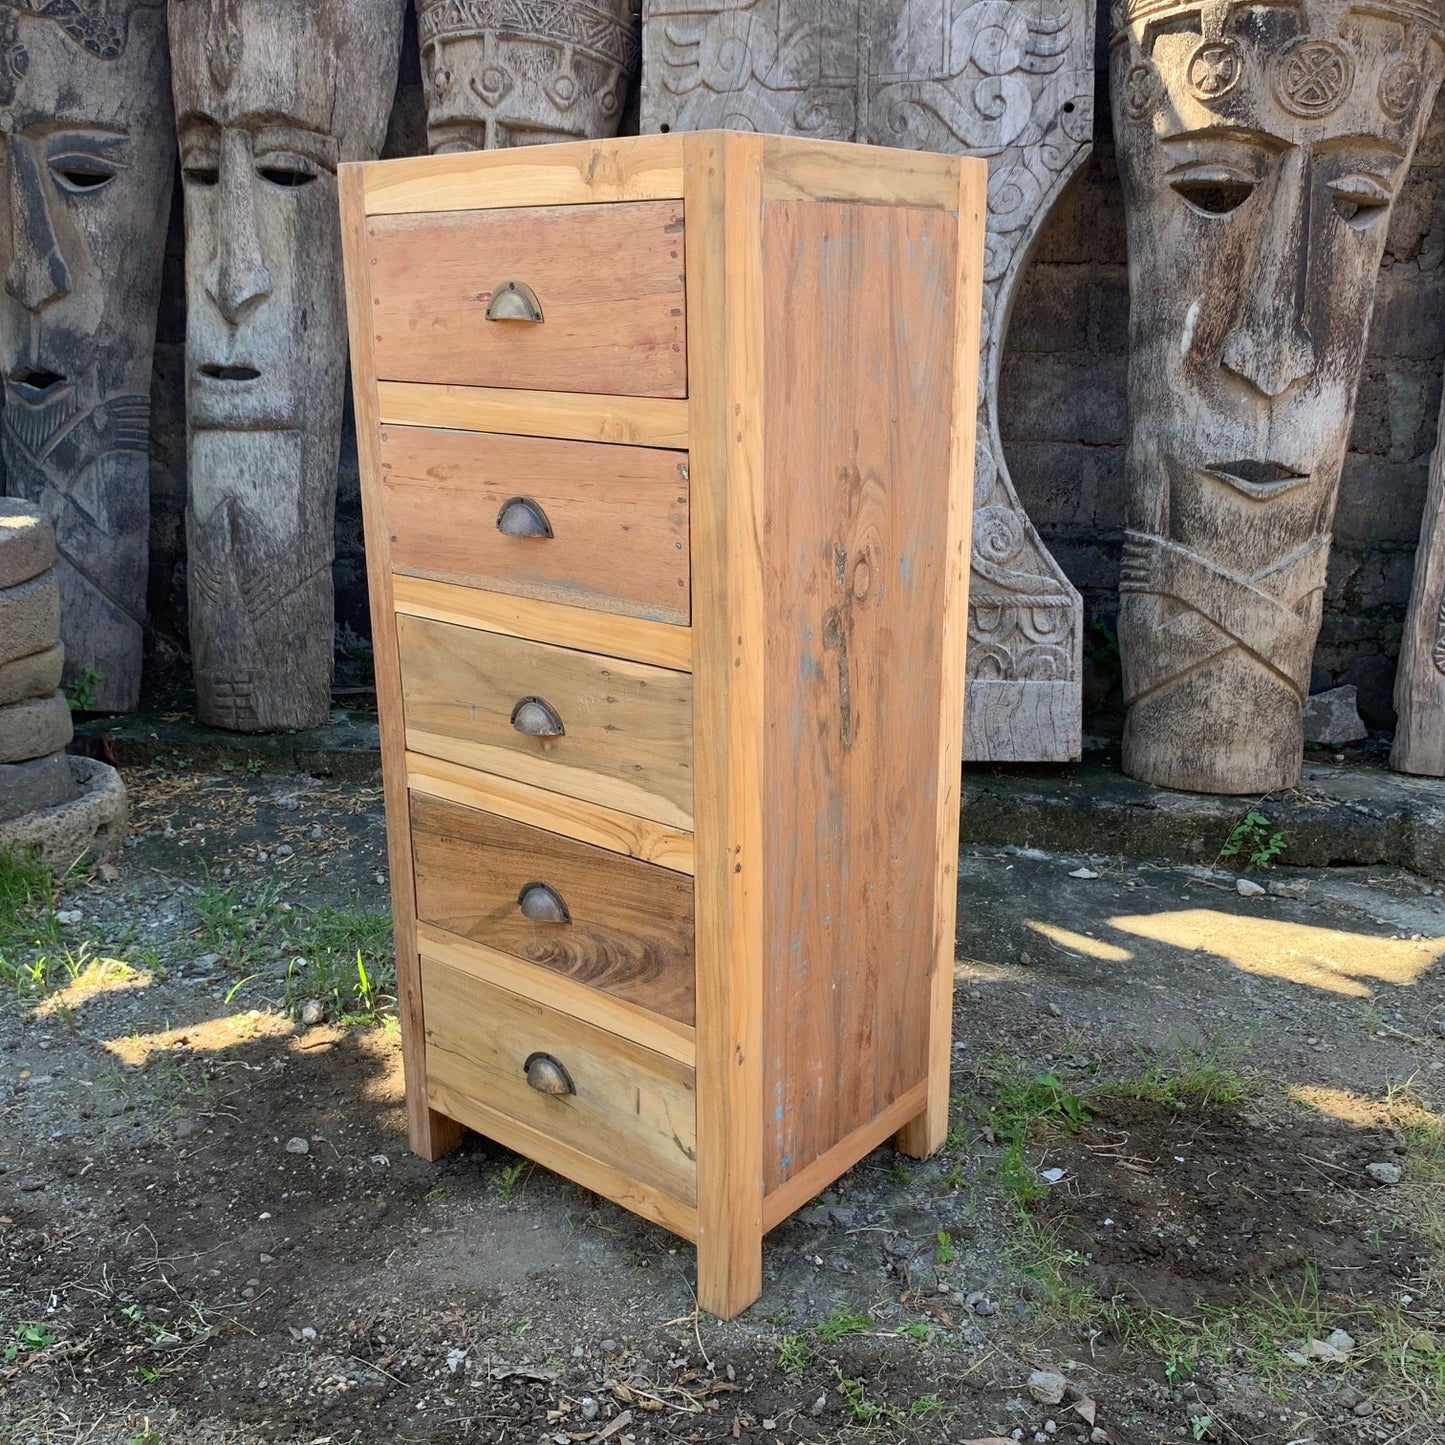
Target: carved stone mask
x=270, y=96
x=518, y=72
x=87, y=140
x=1260, y=148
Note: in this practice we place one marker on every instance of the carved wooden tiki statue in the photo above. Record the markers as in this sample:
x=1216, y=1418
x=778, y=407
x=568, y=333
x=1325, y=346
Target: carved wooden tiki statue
x=1260, y=146
x=1012, y=80
x=88, y=143
x=518, y=72
x=270, y=96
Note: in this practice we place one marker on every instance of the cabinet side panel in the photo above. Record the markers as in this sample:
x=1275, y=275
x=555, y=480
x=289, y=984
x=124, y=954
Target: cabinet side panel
x=859, y=361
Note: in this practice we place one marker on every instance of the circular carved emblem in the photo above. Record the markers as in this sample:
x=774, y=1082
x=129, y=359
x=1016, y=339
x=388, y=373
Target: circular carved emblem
x=1214, y=69
x=997, y=535
x=1141, y=86
x=1400, y=89
x=1313, y=77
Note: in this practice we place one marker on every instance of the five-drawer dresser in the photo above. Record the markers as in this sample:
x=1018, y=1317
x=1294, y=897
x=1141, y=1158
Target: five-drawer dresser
x=667, y=470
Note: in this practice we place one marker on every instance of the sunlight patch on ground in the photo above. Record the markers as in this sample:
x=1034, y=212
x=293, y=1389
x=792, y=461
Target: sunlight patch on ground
x=208, y=1037
x=1325, y=958
x=1080, y=942
x=1358, y=1110
x=99, y=976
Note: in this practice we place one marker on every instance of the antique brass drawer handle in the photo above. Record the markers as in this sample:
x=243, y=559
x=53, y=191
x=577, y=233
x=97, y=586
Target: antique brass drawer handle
x=522, y=517
x=542, y=904
x=547, y=1076
x=537, y=718
x=516, y=301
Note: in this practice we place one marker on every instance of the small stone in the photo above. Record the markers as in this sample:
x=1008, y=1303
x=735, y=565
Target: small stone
x=1083, y=873
x=1365, y=1407
x=313, y=1012
x=284, y=850
x=307, y=1333
x=69, y=916
x=1384, y=1172
x=1026, y=959
x=1047, y=1386
x=1340, y=1340
x=1098, y=1436
x=608, y=1347
x=297, y=1145
x=318, y=832
x=819, y=1405
x=1278, y=888
x=1248, y=888
x=589, y=1407
x=1054, y=1010
x=1333, y=717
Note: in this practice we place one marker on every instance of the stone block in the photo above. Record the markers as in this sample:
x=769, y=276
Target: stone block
x=29, y=617
x=27, y=541
x=35, y=676
x=1333, y=718
x=1050, y=311
x=33, y=786
x=35, y=728
x=90, y=825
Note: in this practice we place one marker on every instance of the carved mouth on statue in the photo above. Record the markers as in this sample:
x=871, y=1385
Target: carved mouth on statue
x=1259, y=480
x=36, y=384
x=229, y=373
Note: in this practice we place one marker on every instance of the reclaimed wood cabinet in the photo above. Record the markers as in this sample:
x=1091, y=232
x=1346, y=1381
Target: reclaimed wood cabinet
x=667, y=467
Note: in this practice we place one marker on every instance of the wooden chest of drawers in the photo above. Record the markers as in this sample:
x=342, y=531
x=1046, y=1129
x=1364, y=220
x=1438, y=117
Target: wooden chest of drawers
x=667, y=464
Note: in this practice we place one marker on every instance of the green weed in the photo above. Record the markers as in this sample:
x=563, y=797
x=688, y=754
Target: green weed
x=1256, y=838
x=795, y=1353
x=80, y=692
x=27, y=1338
x=944, y=1252
x=1185, y=1076
x=841, y=1323
x=509, y=1176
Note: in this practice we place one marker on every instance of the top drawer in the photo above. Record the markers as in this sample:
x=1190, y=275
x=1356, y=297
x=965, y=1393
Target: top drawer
x=608, y=281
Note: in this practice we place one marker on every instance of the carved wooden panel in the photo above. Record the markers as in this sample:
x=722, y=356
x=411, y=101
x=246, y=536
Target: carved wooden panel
x=1010, y=80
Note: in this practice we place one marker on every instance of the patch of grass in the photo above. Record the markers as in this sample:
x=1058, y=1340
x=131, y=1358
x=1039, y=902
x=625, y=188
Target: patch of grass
x=345, y=960
x=240, y=930
x=27, y=898
x=509, y=1176
x=795, y=1353
x=841, y=1323
x=1185, y=1076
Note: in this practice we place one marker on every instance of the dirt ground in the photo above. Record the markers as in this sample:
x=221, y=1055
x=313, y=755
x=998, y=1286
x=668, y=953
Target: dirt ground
x=1193, y=1191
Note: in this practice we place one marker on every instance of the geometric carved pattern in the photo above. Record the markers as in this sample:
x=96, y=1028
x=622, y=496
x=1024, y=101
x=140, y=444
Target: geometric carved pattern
x=1009, y=80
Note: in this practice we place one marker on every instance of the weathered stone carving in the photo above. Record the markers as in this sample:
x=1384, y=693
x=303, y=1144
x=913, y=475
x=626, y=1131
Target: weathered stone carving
x=1420, y=683
x=518, y=72
x=1011, y=80
x=88, y=142
x=1260, y=147
x=270, y=96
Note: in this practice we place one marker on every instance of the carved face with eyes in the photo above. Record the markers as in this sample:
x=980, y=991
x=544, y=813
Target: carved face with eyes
x=1260, y=149
x=86, y=149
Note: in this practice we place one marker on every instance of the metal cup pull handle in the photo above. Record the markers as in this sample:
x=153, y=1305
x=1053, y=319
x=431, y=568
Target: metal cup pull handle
x=542, y=904
x=522, y=517
x=514, y=301
x=547, y=1076
x=537, y=718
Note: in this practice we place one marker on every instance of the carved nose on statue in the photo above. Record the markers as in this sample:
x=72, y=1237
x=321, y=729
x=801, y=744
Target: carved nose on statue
x=1270, y=364
x=35, y=280
x=236, y=289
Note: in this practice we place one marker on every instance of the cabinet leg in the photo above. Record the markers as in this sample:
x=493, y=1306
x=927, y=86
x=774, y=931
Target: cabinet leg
x=433, y=1135
x=925, y=1135
x=729, y=1274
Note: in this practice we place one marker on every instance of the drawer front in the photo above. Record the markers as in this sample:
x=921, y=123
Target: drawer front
x=626, y=728
x=630, y=1108
x=581, y=523
x=601, y=919
x=607, y=279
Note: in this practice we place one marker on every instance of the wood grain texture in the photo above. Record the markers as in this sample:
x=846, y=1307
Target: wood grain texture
x=825, y=170
x=726, y=301
x=857, y=438
x=618, y=517
x=1419, y=745
x=648, y=421
x=652, y=1030
x=628, y=728
x=629, y=926
x=662, y=644
x=927, y=1132
x=430, y=1133
x=631, y=1106
x=609, y=280
x=603, y=827
x=641, y=168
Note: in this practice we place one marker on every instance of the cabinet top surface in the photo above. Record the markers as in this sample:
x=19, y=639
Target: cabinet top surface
x=656, y=167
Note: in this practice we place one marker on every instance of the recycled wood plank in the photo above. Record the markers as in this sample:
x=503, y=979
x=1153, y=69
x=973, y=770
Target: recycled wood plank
x=649, y=421
x=926, y=1133
x=628, y=930
x=653, y=1031
x=617, y=517
x=628, y=1103
x=615, y=325
x=641, y=168
x=638, y=639
x=860, y=423
x=725, y=364
x=627, y=740
x=795, y=169
x=430, y=1132
x=572, y=817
